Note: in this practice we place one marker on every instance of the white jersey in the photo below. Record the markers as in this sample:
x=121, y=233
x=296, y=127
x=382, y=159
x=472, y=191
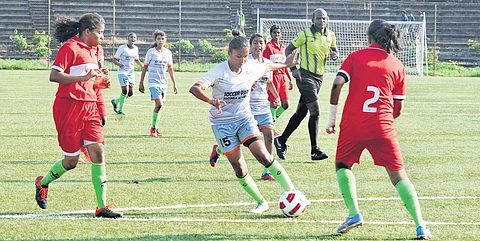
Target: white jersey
x=232, y=88
x=127, y=56
x=259, y=97
x=158, y=62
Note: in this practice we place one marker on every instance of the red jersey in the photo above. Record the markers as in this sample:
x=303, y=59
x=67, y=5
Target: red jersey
x=275, y=53
x=376, y=78
x=77, y=59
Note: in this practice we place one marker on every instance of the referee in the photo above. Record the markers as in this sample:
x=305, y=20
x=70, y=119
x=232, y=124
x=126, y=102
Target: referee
x=314, y=45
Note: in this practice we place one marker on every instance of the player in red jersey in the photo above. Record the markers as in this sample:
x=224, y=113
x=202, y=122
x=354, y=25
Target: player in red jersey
x=275, y=52
x=76, y=112
x=375, y=99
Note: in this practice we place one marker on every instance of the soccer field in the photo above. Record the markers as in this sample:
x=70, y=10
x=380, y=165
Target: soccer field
x=167, y=190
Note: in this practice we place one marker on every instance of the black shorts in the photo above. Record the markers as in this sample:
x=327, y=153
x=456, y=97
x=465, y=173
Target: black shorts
x=309, y=86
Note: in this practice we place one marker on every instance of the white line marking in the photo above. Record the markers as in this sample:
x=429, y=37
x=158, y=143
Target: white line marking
x=65, y=215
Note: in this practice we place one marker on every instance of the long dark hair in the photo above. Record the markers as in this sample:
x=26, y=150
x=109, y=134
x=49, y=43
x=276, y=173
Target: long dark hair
x=389, y=36
x=67, y=27
x=238, y=43
x=155, y=34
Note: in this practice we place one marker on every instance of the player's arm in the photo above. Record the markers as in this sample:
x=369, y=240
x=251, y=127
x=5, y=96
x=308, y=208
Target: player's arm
x=137, y=60
x=141, y=87
x=274, y=92
x=172, y=77
x=397, y=108
x=197, y=90
x=64, y=78
x=116, y=61
x=334, y=96
x=102, y=110
x=289, y=62
x=334, y=53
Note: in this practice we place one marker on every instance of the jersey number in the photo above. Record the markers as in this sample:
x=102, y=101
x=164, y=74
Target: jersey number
x=376, y=95
x=225, y=142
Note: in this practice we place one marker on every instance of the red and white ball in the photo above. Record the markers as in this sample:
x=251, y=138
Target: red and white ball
x=293, y=203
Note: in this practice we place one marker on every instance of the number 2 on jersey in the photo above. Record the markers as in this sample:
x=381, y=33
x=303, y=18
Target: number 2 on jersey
x=376, y=95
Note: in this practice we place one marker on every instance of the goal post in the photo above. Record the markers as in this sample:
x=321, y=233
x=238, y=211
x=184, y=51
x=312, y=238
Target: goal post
x=352, y=35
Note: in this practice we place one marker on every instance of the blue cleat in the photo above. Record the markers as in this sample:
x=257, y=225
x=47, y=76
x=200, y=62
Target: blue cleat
x=423, y=233
x=350, y=223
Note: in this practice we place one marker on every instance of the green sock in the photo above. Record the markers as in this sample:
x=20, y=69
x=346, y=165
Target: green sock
x=249, y=185
x=219, y=150
x=280, y=111
x=408, y=194
x=346, y=182
x=265, y=170
x=99, y=179
x=56, y=171
x=154, y=120
x=279, y=173
x=121, y=102
x=274, y=112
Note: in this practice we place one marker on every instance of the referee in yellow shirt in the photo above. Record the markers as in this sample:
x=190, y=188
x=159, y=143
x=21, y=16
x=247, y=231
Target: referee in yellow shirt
x=314, y=45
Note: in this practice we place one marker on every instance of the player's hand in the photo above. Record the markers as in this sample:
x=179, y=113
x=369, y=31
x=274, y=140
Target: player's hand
x=292, y=59
x=141, y=88
x=101, y=82
x=175, y=89
x=217, y=103
x=104, y=120
x=330, y=128
x=122, y=66
x=93, y=73
x=290, y=85
x=296, y=74
x=105, y=71
x=334, y=55
x=277, y=102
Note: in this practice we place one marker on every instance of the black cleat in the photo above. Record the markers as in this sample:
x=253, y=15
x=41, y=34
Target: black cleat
x=114, y=105
x=281, y=147
x=317, y=154
x=41, y=193
x=107, y=212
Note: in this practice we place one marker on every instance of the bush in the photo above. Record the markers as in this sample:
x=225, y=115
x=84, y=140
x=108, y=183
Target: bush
x=207, y=47
x=474, y=45
x=219, y=56
x=431, y=57
x=184, y=46
x=40, y=39
x=42, y=51
x=19, y=42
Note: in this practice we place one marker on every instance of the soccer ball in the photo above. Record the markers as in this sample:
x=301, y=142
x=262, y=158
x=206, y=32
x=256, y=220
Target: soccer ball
x=293, y=203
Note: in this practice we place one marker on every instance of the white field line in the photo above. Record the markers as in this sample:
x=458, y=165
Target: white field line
x=65, y=215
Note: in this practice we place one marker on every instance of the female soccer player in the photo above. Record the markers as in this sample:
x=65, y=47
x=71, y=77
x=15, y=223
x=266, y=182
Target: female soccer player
x=275, y=51
x=375, y=99
x=231, y=117
x=125, y=58
x=158, y=59
x=75, y=111
x=259, y=103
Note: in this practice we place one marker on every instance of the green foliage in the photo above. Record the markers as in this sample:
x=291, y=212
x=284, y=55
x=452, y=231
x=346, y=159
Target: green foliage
x=40, y=39
x=42, y=51
x=184, y=46
x=474, y=45
x=170, y=46
x=23, y=64
x=19, y=42
x=219, y=56
x=431, y=56
x=229, y=35
x=207, y=47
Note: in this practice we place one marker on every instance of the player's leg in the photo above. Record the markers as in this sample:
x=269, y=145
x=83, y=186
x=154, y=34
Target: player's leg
x=282, y=89
x=122, y=79
x=314, y=110
x=121, y=100
x=265, y=125
x=281, y=141
x=348, y=153
x=156, y=95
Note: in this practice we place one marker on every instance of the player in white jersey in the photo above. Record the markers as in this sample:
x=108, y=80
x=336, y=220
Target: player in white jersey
x=125, y=58
x=232, y=119
x=158, y=60
x=259, y=103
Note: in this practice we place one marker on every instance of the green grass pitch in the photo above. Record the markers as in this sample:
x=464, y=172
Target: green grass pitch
x=168, y=191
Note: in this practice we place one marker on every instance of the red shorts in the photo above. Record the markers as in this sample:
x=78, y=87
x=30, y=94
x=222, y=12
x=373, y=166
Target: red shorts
x=75, y=122
x=281, y=85
x=385, y=152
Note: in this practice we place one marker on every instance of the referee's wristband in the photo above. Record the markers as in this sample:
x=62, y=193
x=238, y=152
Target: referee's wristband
x=332, y=116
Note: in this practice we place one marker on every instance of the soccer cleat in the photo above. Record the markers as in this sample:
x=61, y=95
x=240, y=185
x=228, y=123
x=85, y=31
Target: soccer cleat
x=41, y=193
x=114, y=105
x=423, y=233
x=267, y=177
x=85, y=153
x=158, y=132
x=350, y=223
x=317, y=154
x=281, y=147
x=153, y=132
x=107, y=212
x=261, y=208
x=120, y=113
x=214, y=156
